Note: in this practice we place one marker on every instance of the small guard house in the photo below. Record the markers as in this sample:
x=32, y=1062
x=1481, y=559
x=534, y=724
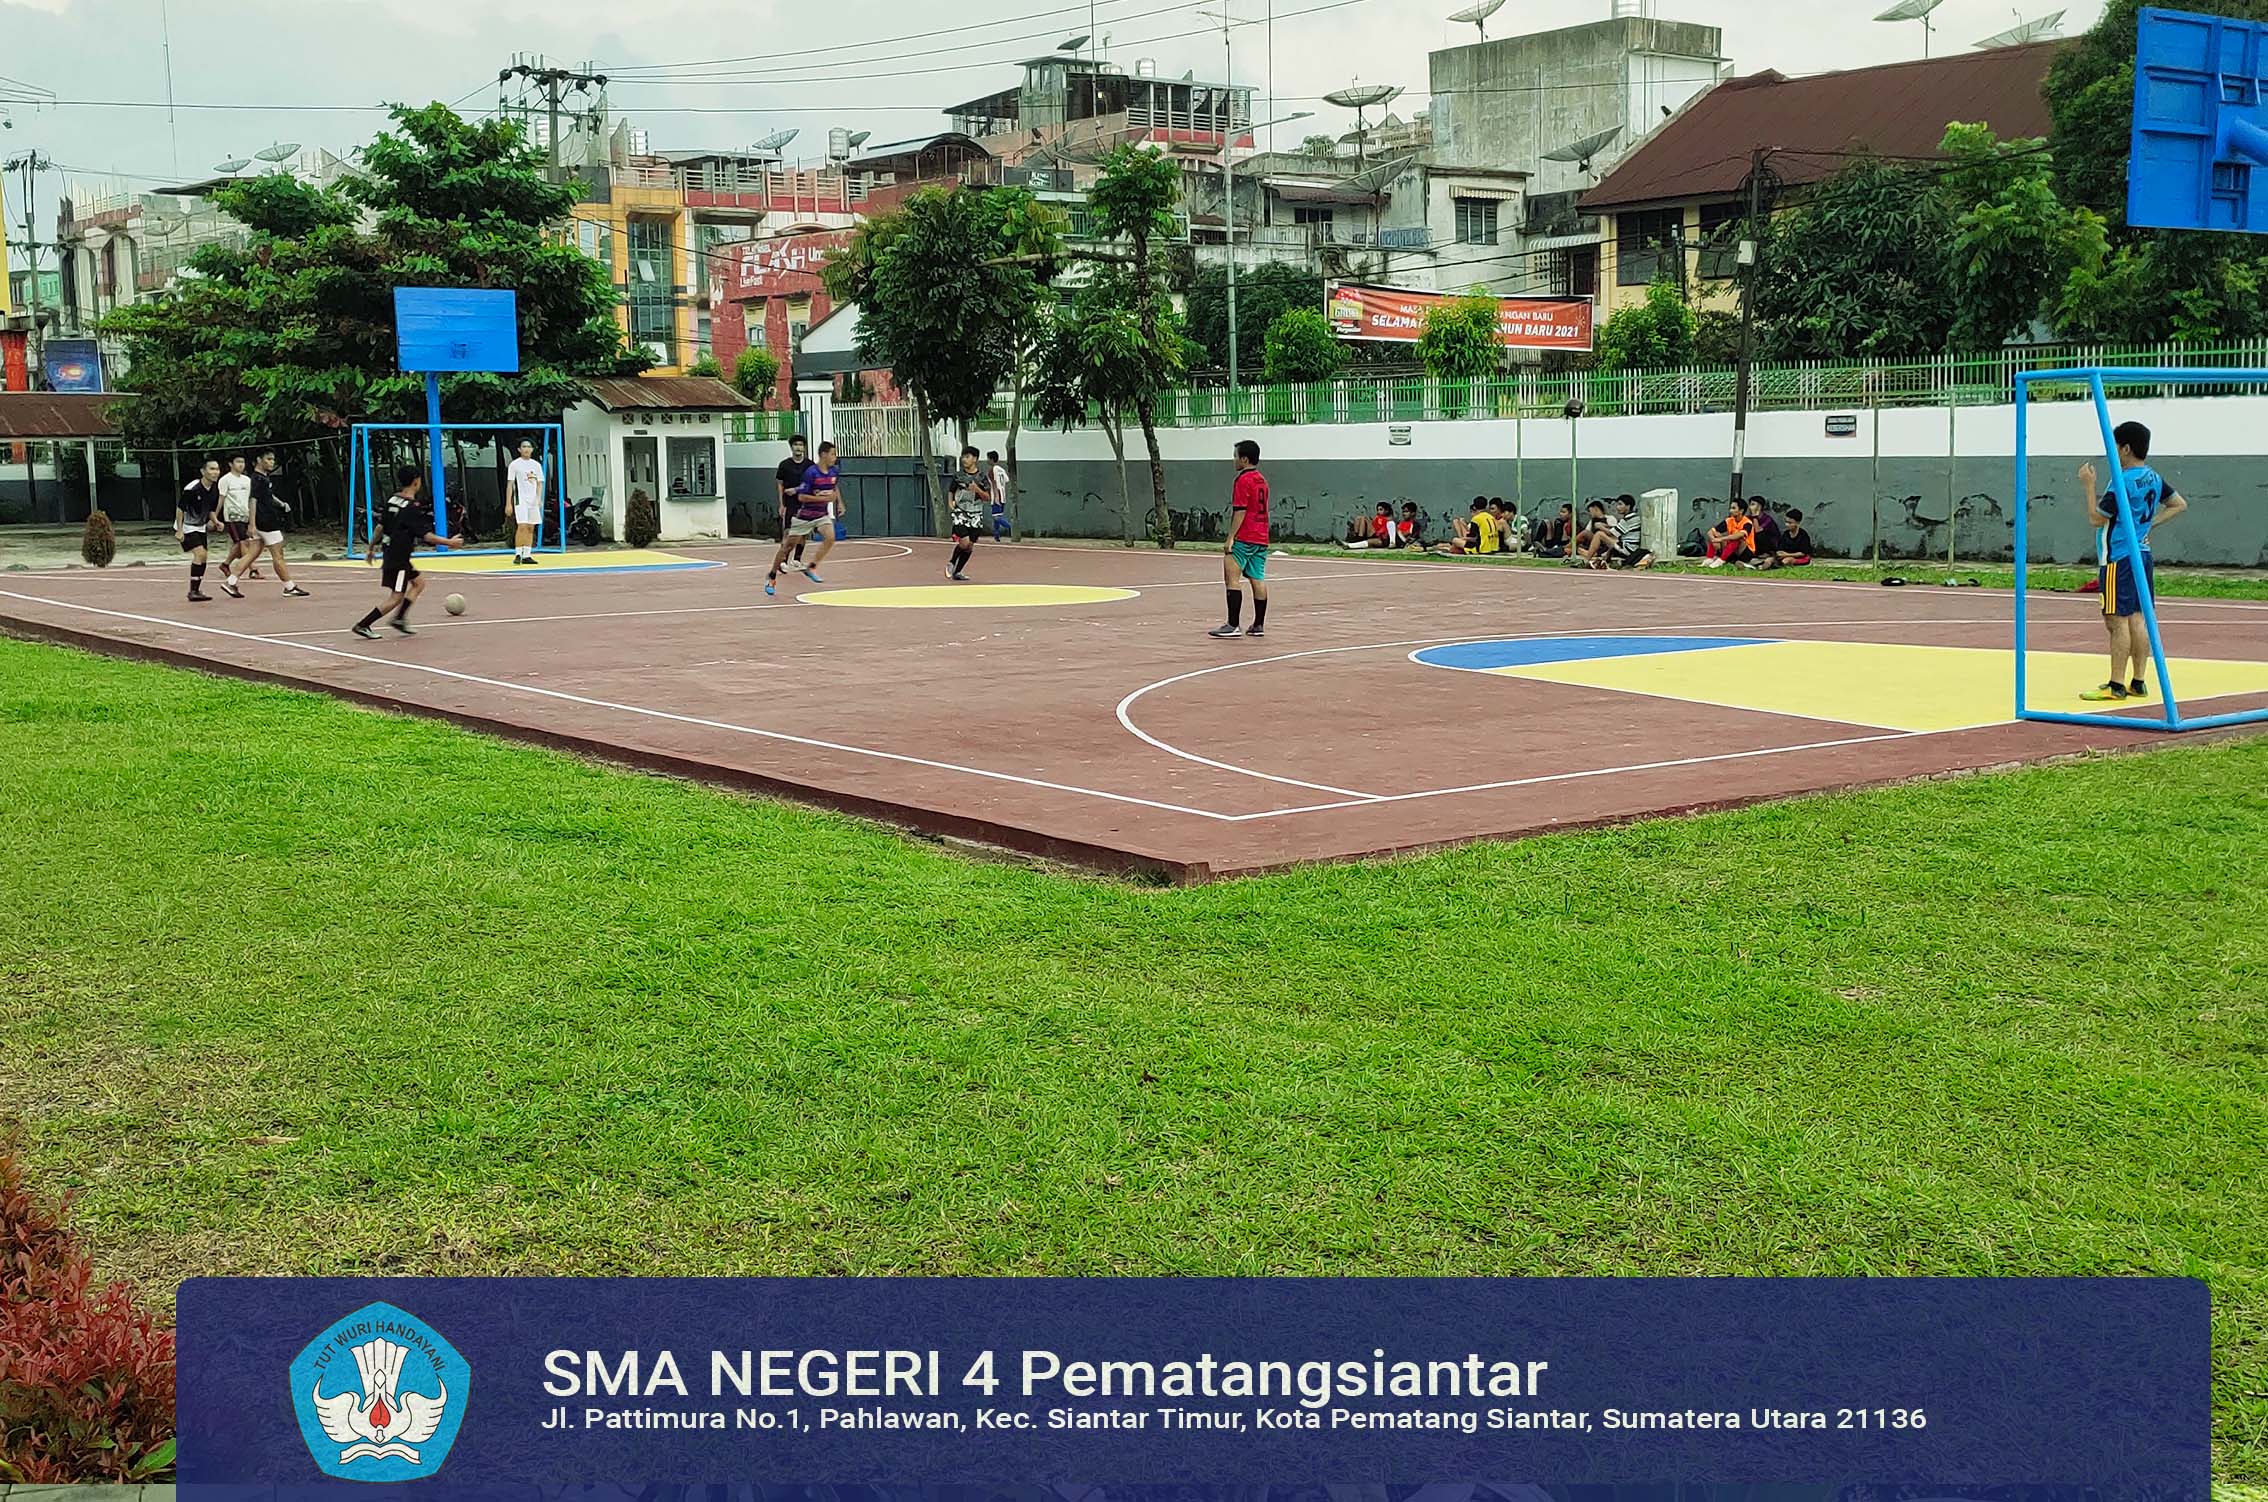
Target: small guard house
x=664, y=435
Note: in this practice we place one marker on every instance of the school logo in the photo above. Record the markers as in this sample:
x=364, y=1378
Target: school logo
x=380, y=1396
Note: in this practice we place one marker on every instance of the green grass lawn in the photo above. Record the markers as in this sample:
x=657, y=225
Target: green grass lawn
x=458, y=1006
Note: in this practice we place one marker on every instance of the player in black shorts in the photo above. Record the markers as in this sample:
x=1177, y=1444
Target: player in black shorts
x=194, y=519
x=789, y=478
x=969, y=496
x=405, y=523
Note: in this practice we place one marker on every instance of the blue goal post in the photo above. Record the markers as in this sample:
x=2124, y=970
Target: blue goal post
x=2095, y=380
x=368, y=478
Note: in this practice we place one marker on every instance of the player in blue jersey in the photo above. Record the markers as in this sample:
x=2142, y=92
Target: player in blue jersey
x=2125, y=558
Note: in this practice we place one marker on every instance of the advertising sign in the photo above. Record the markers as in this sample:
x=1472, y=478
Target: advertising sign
x=72, y=365
x=1396, y=315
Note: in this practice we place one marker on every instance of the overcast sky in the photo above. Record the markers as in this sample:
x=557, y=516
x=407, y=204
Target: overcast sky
x=845, y=62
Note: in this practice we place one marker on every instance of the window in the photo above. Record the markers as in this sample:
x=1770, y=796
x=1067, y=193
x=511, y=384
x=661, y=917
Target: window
x=755, y=316
x=1308, y=213
x=651, y=297
x=1722, y=225
x=692, y=467
x=1646, y=247
x=1575, y=273
x=1476, y=221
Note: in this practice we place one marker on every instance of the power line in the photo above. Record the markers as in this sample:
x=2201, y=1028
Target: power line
x=1060, y=10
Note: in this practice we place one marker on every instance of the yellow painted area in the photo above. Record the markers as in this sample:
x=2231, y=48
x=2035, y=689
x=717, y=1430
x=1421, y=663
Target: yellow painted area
x=967, y=596
x=1894, y=686
x=580, y=562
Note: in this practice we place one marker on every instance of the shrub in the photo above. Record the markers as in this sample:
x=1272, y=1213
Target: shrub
x=706, y=366
x=100, y=543
x=641, y=524
x=1461, y=341
x=756, y=375
x=86, y=1378
x=1301, y=347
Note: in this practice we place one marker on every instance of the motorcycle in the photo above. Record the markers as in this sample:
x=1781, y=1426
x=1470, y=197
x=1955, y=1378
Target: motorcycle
x=583, y=527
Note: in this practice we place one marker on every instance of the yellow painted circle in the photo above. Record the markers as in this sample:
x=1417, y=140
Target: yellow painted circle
x=968, y=596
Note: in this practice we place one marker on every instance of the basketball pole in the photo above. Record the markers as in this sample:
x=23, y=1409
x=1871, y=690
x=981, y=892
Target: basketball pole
x=433, y=453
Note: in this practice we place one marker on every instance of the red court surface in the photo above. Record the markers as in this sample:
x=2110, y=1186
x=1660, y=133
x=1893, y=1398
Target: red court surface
x=1109, y=731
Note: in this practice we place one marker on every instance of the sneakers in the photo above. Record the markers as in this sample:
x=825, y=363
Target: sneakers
x=771, y=584
x=2138, y=689
x=1256, y=632
x=813, y=576
x=956, y=576
x=294, y=592
x=365, y=632
x=229, y=585
x=199, y=596
x=1224, y=632
x=404, y=627
x=2109, y=693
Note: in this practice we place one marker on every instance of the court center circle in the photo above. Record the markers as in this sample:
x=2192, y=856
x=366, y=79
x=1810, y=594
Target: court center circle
x=968, y=596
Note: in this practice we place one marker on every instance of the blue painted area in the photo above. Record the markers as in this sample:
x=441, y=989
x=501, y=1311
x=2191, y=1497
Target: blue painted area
x=1482, y=656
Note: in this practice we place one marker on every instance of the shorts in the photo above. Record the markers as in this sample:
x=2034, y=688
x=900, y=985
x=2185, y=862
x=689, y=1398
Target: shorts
x=807, y=526
x=2121, y=595
x=272, y=539
x=528, y=516
x=192, y=539
x=237, y=531
x=968, y=531
x=396, y=572
x=1251, y=559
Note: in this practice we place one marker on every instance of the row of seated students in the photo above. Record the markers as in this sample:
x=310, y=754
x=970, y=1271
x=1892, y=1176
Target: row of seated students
x=1603, y=537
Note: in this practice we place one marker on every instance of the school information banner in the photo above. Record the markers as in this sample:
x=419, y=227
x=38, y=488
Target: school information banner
x=1880, y=1384
x=1397, y=315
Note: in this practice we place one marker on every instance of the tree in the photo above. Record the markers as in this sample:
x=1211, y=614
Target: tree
x=1263, y=295
x=1091, y=360
x=1320, y=148
x=1463, y=338
x=756, y=375
x=2152, y=284
x=2016, y=244
x=1301, y=347
x=1031, y=251
x=1133, y=203
x=1659, y=331
x=290, y=336
x=1862, y=268
x=706, y=366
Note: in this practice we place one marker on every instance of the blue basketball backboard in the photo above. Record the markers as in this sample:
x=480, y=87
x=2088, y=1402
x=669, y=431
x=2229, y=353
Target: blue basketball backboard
x=457, y=328
x=2199, y=154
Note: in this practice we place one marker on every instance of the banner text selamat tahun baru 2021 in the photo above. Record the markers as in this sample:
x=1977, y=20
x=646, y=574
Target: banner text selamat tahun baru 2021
x=1397, y=315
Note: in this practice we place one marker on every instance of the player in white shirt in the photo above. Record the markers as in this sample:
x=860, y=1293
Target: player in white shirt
x=525, y=481
x=236, y=520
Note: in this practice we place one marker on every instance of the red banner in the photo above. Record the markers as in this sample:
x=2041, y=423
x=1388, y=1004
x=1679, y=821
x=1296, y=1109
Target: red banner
x=1397, y=315
x=775, y=266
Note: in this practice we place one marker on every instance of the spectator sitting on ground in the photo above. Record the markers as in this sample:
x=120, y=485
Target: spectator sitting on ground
x=1629, y=544
x=1381, y=530
x=1795, y=543
x=1555, y=537
x=1595, y=540
x=1358, y=530
x=1411, y=533
x=1764, y=534
x=1510, y=535
x=1729, y=538
x=1475, y=534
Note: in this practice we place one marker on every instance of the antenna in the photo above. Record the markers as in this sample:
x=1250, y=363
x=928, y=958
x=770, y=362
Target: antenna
x=233, y=165
x=1479, y=14
x=1358, y=97
x=279, y=153
x=2046, y=26
x=772, y=143
x=1913, y=10
x=1582, y=151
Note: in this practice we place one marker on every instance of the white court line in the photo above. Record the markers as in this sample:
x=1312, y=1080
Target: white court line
x=537, y=620
x=635, y=709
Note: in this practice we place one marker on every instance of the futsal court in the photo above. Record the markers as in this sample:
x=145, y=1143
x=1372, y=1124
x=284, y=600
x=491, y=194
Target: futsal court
x=1069, y=704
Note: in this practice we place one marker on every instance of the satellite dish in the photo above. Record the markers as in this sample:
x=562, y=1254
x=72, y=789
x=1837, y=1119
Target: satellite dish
x=775, y=141
x=282, y=151
x=1479, y=14
x=2046, y=26
x=1913, y=10
x=1362, y=96
x=858, y=138
x=1074, y=44
x=233, y=164
x=1582, y=151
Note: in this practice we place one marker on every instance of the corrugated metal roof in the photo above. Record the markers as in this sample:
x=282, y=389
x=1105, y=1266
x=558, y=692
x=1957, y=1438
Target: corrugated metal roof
x=659, y=393
x=1814, y=124
x=55, y=414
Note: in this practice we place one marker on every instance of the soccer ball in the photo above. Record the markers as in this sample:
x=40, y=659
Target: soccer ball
x=455, y=604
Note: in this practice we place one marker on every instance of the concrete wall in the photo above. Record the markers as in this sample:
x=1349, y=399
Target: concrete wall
x=2214, y=450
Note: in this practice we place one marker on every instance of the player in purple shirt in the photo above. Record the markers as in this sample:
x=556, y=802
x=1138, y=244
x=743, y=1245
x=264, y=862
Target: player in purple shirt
x=816, y=500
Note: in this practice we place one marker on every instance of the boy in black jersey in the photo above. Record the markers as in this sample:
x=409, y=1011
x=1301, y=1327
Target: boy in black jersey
x=405, y=523
x=789, y=478
x=194, y=520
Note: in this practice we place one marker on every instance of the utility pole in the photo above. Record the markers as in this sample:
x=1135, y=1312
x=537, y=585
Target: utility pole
x=556, y=84
x=28, y=163
x=1751, y=260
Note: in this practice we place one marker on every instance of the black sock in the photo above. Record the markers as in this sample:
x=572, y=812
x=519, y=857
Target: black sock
x=196, y=575
x=401, y=611
x=961, y=557
x=371, y=619
x=1235, y=606
x=1259, y=611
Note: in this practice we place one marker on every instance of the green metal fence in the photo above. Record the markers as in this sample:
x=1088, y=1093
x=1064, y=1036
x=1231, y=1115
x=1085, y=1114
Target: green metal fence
x=1949, y=380
x=761, y=427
